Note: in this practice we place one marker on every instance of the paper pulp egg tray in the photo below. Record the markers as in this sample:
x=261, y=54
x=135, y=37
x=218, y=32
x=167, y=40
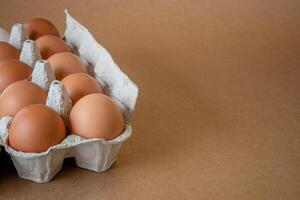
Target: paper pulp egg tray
x=92, y=154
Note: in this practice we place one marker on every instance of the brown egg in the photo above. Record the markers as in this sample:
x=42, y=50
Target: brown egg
x=39, y=27
x=96, y=116
x=19, y=95
x=66, y=63
x=35, y=128
x=8, y=51
x=79, y=85
x=49, y=45
x=12, y=70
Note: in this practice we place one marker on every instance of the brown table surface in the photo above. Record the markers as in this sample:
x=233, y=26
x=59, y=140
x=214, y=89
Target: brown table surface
x=218, y=111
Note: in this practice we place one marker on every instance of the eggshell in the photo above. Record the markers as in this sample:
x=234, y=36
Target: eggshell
x=66, y=63
x=12, y=70
x=35, y=128
x=79, y=85
x=3, y=35
x=19, y=95
x=8, y=51
x=39, y=27
x=49, y=45
x=96, y=116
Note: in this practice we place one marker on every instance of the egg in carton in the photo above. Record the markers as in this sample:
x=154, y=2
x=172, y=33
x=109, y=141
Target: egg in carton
x=93, y=154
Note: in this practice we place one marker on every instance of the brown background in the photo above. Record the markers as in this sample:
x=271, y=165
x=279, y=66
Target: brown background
x=218, y=112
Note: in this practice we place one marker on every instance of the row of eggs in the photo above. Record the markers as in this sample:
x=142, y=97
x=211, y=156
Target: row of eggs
x=36, y=127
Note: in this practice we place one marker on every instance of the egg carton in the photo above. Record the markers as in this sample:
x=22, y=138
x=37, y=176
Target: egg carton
x=93, y=154
x=3, y=35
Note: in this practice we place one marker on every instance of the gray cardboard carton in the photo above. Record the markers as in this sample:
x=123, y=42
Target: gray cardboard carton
x=92, y=154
